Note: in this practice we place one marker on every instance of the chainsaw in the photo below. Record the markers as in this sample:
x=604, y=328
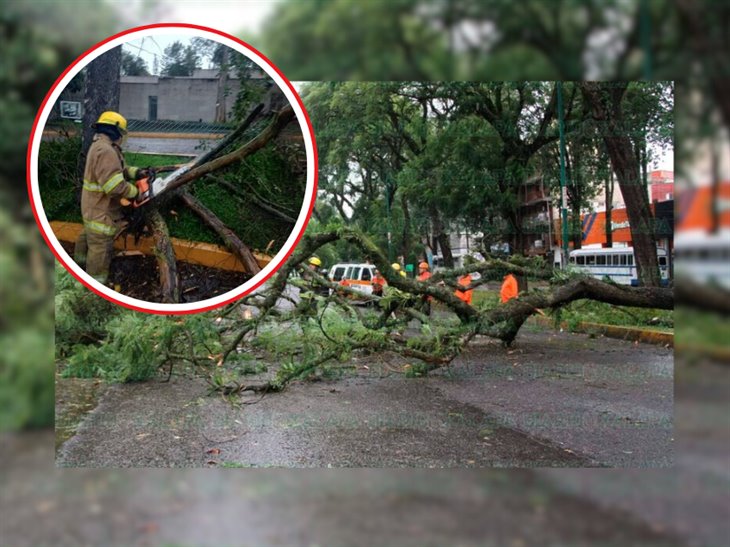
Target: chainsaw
x=146, y=190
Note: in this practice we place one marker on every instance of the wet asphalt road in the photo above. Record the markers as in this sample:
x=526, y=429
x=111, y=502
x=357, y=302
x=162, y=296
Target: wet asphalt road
x=555, y=400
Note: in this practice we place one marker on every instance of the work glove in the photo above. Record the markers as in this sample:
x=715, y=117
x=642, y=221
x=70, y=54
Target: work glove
x=148, y=173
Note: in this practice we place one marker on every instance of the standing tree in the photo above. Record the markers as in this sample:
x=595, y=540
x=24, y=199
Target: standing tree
x=133, y=65
x=605, y=100
x=180, y=60
x=101, y=94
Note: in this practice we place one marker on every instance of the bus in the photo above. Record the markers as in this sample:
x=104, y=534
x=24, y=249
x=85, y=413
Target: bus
x=704, y=258
x=615, y=263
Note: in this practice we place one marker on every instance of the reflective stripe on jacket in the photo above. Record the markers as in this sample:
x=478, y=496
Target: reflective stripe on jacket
x=105, y=177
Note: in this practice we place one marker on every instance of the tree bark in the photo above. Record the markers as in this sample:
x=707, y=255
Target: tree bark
x=165, y=255
x=605, y=102
x=406, y=228
x=234, y=244
x=101, y=93
x=609, y=208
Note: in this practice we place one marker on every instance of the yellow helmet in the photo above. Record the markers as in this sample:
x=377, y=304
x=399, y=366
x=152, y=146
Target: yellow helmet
x=115, y=119
x=315, y=261
x=395, y=266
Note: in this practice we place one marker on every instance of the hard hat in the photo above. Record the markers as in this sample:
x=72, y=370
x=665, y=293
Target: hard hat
x=315, y=261
x=115, y=119
x=402, y=273
x=395, y=266
x=423, y=266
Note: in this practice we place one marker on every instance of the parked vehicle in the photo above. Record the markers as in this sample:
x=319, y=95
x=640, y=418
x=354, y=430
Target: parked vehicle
x=615, y=263
x=356, y=276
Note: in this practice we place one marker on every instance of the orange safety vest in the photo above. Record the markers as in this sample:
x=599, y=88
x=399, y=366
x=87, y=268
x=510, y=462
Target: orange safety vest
x=425, y=276
x=509, y=288
x=464, y=281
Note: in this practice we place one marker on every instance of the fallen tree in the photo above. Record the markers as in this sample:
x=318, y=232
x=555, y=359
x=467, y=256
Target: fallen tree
x=503, y=321
x=214, y=160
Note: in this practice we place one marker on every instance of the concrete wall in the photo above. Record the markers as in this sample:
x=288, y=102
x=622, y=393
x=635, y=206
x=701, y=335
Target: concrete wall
x=178, y=99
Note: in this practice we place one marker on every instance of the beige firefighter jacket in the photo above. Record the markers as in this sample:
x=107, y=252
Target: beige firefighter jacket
x=104, y=186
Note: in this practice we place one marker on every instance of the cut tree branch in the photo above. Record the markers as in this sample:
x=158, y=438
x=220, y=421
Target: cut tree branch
x=232, y=241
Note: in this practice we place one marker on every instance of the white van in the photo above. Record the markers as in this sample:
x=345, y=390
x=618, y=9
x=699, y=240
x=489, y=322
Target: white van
x=356, y=276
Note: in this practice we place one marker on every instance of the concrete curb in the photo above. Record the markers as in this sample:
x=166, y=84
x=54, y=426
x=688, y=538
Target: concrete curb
x=204, y=254
x=635, y=334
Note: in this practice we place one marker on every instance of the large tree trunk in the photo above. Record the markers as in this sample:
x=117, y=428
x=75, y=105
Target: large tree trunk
x=406, y=228
x=605, y=100
x=609, y=208
x=165, y=255
x=441, y=238
x=101, y=93
x=234, y=244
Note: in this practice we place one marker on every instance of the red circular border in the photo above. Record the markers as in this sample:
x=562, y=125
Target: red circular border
x=35, y=128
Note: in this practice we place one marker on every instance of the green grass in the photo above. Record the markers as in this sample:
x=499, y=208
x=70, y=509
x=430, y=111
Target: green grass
x=702, y=329
x=590, y=311
x=267, y=174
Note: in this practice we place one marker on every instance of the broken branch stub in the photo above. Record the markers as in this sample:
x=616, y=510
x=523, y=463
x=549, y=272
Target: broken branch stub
x=232, y=241
x=165, y=255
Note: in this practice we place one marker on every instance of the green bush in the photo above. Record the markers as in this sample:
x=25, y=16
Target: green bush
x=81, y=315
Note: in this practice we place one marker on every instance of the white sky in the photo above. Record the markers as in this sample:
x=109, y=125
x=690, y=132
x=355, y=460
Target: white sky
x=232, y=16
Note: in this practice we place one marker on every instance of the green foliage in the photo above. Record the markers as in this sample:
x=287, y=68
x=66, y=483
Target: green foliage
x=26, y=324
x=81, y=315
x=100, y=339
x=26, y=381
x=57, y=179
x=133, y=65
x=128, y=354
x=180, y=60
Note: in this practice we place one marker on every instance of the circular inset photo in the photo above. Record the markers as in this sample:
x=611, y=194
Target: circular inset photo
x=172, y=168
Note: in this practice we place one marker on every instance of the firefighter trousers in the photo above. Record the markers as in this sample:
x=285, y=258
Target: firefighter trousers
x=94, y=252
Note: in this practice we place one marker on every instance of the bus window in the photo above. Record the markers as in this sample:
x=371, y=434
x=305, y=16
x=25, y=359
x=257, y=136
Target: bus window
x=663, y=261
x=631, y=260
x=601, y=260
x=615, y=260
x=624, y=260
x=581, y=260
x=338, y=273
x=348, y=274
x=355, y=274
x=366, y=274
x=572, y=260
x=590, y=260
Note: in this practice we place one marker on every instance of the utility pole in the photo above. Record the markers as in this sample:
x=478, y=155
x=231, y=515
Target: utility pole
x=563, y=189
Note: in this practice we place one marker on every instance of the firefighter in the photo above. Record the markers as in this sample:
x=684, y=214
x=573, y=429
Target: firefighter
x=509, y=288
x=105, y=185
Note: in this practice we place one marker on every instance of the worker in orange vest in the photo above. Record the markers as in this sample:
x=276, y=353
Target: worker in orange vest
x=509, y=288
x=378, y=283
x=461, y=288
x=423, y=276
